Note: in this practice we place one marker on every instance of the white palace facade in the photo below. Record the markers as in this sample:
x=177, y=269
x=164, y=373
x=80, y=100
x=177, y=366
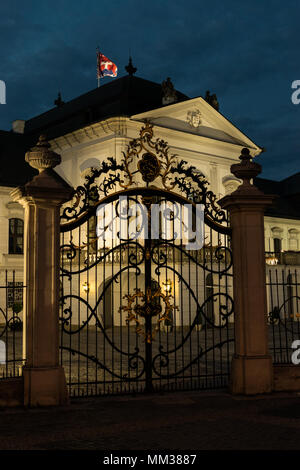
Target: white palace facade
x=101, y=123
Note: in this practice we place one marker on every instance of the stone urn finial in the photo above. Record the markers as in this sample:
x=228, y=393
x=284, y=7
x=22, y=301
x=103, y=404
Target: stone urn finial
x=41, y=156
x=247, y=169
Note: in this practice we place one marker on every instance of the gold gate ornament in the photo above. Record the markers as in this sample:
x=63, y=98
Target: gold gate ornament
x=149, y=308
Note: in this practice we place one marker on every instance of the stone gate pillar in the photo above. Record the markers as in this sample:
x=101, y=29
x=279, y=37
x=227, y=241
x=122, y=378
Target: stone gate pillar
x=251, y=365
x=44, y=379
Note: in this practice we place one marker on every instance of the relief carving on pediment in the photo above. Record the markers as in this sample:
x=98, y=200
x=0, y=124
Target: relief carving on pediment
x=194, y=118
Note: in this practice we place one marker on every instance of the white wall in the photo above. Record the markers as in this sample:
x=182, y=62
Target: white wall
x=11, y=265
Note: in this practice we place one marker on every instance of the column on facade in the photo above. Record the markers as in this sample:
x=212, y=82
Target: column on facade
x=4, y=227
x=214, y=178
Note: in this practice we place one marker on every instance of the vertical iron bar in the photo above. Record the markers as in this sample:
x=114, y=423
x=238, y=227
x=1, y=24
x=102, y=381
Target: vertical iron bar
x=148, y=318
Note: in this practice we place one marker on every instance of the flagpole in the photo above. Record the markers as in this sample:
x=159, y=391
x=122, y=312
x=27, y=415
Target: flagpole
x=98, y=68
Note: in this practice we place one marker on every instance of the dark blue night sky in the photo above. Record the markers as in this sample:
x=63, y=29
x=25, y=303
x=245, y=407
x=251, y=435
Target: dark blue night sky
x=245, y=52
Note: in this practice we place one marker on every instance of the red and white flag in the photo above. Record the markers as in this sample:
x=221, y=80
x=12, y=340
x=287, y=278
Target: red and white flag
x=105, y=67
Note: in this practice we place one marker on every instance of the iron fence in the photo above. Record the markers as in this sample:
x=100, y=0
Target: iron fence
x=287, y=258
x=283, y=297
x=11, y=323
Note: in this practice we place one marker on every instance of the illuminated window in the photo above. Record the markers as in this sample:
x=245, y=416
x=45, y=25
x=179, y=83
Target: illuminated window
x=16, y=235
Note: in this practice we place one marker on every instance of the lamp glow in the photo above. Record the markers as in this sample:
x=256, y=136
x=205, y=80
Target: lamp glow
x=167, y=286
x=86, y=287
x=271, y=260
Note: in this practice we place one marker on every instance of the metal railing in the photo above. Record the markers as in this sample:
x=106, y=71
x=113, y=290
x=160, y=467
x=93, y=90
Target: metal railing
x=11, y=324
x=283, y=299
x=288, y=258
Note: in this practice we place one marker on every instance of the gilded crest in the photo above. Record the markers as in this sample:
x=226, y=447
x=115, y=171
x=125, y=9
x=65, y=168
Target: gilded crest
x=153, y=159
x=149, y=167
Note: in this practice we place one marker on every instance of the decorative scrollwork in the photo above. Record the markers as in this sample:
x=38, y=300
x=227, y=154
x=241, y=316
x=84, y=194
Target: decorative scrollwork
x=280, y=315
x=193, y=185
x=150, y=308
x=152, y=160
x=161, y=361
x=152, y=164
x=212, y=259
x=130, y=252
x=100, y=181
x=12, y=323
x=134, y=360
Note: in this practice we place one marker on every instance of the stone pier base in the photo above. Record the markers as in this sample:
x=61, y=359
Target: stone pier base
x=45, y=386
x=251, y=375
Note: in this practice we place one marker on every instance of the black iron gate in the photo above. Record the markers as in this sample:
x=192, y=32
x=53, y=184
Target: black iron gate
x=283, y=301
x=146, y=284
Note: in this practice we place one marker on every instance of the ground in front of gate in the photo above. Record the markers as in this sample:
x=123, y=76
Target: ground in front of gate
x=173, y=421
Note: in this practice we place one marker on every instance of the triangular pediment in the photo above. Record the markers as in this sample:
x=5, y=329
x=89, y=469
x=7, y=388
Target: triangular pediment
x=199, y=118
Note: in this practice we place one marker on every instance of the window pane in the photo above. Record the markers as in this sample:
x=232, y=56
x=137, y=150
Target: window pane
x=277, y=245
x=20, y=229
x=11, y=226
x=19, y=250
x=16, y=230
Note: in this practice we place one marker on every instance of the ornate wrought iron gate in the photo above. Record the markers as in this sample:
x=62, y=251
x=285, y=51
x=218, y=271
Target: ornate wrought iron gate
x=141, y=307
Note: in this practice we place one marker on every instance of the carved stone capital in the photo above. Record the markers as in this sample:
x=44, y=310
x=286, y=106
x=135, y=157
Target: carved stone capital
x=47, y=188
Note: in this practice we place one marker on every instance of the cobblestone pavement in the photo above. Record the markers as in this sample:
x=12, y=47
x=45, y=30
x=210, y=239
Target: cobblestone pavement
x=173, y=421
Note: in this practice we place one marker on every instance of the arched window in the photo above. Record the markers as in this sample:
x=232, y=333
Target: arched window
x=277, y=235
x=16, y=235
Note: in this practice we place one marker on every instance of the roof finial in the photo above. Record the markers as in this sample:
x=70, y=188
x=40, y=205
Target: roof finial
x=130, y=69
x=169, y=94
x=212, y=100
x=58, y=102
